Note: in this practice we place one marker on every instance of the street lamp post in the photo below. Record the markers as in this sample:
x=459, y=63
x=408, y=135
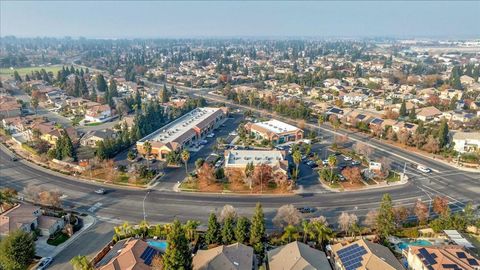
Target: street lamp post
x=143, y=206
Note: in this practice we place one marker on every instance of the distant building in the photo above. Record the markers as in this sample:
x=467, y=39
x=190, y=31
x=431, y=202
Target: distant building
x=98, y=114
x=91, y=139
x=275, y=131
x=466, y=141
x=238, y=159
x=9, y=107
x=297, y=256
x=184, y=131
x=440, y=258
x=363, y=254
x=232, y=257
x=428, y=113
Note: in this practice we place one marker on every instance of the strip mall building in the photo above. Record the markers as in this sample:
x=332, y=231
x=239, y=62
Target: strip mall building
x=275, y=131
x=183, y=132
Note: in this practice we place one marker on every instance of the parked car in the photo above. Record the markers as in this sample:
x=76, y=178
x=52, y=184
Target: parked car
x=341, y=177
x=424, y=169
x=325, y=162
x=233, y=133
x=203, y=142
x=211, y=135
x=347, y=158
x=100, y=191
x=306, y=210
x=44, y=263
x=355, y=162
x=14, y=158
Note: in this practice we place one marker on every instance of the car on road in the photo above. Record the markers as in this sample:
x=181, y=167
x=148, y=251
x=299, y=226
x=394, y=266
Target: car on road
x=347, y=158
x=424, y=169
x=312, y=163
x=211, y=135
x=44, y=263
x=306, y=210
x=100, y=191
x=14, y=158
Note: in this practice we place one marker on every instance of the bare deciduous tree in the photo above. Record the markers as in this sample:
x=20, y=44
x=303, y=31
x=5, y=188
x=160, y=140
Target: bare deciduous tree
x=320, y=219
x=421, y=211
x=363, y=149
x=347, y=221
x=401, y=214
x=371, y=219
x=440, y=205
x=228, y=211
x=352, y=174
x=287, y=215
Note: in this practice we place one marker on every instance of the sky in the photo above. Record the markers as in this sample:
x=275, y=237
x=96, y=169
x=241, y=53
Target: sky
x=158, y=19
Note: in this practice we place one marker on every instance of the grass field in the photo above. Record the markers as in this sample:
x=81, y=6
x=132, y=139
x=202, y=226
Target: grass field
x=28, y=70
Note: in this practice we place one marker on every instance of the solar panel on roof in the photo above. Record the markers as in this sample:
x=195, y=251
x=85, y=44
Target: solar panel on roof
x=428, y=258
x=461, y=255
x=452, y=266
x=148, y=254
x=351, y=257
x=472, y=262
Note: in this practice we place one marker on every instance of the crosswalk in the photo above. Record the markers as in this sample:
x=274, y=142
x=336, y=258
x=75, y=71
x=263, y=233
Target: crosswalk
x=94, y=207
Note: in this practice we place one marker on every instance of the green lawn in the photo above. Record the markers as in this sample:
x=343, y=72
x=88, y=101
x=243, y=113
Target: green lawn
x=93, y=124
x=57, y=239
x=28, y=70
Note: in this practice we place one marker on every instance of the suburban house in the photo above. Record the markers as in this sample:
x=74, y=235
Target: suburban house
x=365, y=255
x=297, y=256
x=98, y=113
x=428, y=113
x=354, y=98
x=129, y=254
x=232, y=257
x=274, y=131
x=50, y=133
x=238, y=159
x=183, y=132
x=27, y=217
x=440, y=257
x=9, y=107
x=91, y=139
x=466, y=141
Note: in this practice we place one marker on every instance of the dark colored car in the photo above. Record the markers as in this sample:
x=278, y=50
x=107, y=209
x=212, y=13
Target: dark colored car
x=306, y=210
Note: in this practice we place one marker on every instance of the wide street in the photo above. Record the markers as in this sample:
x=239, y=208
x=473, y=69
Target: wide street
x=162, y=204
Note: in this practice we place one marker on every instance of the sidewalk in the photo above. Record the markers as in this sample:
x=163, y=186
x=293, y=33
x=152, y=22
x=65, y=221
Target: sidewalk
x=45, y=250
x=369, y=187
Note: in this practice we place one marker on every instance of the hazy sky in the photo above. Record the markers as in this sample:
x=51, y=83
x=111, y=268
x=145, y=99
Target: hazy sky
x=230, y=18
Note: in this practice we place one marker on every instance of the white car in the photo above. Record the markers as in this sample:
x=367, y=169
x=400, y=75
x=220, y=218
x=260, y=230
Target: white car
x=347, y=158
x=44, y=263
x=325, y=162
x=233, y=133
x=100, y=191
x=211, y=135
x=424, y=169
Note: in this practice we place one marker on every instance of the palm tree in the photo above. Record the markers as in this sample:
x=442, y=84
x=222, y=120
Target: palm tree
x=144, y=227
x=191, y=229
x=81, y=263
x=297, y=158
x=332, y=161
x=147, y=147
x=289, y=232
x=306, y=228
x=323, y=233
x=185, y=157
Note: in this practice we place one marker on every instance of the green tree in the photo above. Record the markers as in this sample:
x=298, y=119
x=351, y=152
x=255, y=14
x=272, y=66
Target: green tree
x=321, y=232
x=68, y=149
x=332, y=162
x=443, y=133
x=386, y=217
x=403, y=109
x=212, y=236
x=413, y=114
x=290, y=232
x=257, y=229
x=17, y=251
x=242, y=229
x=81, y=263
x=228, y=233
x=185, y=157
x=163, y=94
x=34, y=103
x=178, y=255
x=306, y=230
x=16, y=76
x=101, y=83
x=147, y=147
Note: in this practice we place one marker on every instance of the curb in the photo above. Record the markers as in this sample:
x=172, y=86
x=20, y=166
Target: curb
x=63, y=246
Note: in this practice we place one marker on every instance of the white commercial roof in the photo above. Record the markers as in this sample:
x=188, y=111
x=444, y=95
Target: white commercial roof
x=277, y=126
x=243, y=157
x=180, y=126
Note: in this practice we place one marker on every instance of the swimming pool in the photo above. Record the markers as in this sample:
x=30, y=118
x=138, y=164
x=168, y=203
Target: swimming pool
x=158, y=244
x=405, y=244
